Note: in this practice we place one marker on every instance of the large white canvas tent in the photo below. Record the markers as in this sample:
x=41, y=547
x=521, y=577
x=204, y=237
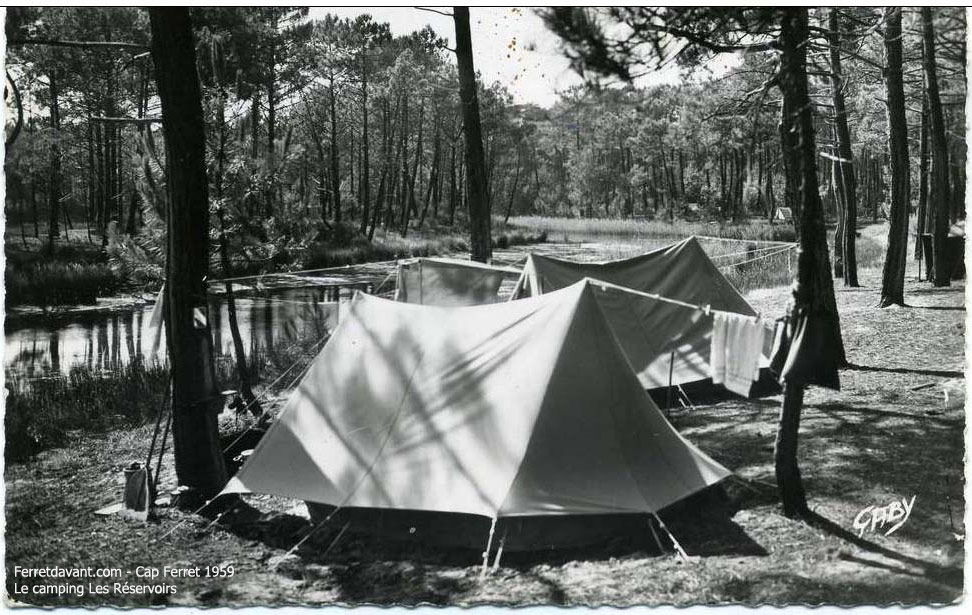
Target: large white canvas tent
x=447, y=282
x=664, y=341
x=522, y=409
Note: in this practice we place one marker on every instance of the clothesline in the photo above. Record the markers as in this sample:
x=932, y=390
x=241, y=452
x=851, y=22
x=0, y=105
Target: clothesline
x=759, y=258
x=711, y=238
x=302, y=271
x=748, y=252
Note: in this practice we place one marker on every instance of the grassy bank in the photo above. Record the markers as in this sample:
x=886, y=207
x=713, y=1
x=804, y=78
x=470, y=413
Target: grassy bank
x=71, y=275
x=384, y=246
x=574, y=229
x=42, y=413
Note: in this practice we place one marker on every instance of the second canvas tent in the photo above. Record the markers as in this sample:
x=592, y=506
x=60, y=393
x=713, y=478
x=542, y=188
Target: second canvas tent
x=664, y=341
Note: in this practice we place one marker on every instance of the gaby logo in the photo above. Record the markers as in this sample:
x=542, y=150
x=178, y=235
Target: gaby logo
x=874, y=518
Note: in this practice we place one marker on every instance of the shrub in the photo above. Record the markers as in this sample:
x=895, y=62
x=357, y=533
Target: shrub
x=57, y=283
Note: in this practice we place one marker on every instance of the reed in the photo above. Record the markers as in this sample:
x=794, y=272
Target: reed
x=58, y=283
x=581, y=228
x=43, y=413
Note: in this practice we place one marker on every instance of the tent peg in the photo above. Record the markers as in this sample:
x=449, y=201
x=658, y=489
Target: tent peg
x=499, y=552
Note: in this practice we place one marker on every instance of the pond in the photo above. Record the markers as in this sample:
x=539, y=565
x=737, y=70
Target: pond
x=105, y=341
x=268, y=312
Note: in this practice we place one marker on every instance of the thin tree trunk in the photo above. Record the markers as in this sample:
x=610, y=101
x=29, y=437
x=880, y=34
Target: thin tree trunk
x=33, y=207
x=840, y=207
x=516, y=179
x=939, y=197
x=923, y=159
x=335, y=157
x=846, y=155
x=365, y=137
x=239, y=351
x=892, y=283
x=478, y=204
x=54, y=188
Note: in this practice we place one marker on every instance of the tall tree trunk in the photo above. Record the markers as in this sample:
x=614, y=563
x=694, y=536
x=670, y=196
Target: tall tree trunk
x=411, y=207
x=365, y=137
x=813, y=293
x=892, y=283
x=478, y=205
x=846, y=155
x=335, y=159
x=939, y=197
x=242, y=369
x=54, y=187
x=840, y=207
x=791, y=167
x=271, y=86
x=923, y=159
x=452, y=183
x=195, y=403
x=33, y=208
x=516, y=179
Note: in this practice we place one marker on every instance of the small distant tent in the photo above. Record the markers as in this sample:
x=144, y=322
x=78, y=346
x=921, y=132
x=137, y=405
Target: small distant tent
x=663, y=341
x=783, y=214
x=449, y=282
x=518, y=411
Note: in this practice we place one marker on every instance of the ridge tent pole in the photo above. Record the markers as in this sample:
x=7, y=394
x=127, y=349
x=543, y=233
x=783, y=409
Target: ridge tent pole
x=678, y=547
x=489, y=546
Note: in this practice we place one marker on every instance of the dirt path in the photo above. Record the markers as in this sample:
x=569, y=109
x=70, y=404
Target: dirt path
x=895, y=431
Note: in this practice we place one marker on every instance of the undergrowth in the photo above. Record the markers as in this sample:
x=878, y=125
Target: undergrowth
x=349, y=248
x=555, y=227
x=41, y=413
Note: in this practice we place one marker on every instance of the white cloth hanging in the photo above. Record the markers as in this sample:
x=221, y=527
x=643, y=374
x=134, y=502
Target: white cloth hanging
x=156, y=325
x=737, y=346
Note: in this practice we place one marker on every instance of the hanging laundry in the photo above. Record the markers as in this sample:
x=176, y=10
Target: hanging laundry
x=737, y=347
x=156, y=325
x=805, y=351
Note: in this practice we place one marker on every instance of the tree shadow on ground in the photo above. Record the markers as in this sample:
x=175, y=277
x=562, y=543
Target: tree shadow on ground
x=938, y=290
x=951, y=576
x=938, y=373
x=940, y=308
x=364, y=567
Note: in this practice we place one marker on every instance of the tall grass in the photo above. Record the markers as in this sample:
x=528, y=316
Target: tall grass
x=42, y=413
x=58, y=283
x=382, y=248
x=579, y=228
x=73, y=274
x=390, y=246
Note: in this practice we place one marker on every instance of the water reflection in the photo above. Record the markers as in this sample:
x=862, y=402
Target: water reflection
x=101, y=341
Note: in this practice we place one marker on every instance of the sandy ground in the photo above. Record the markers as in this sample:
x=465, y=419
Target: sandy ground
x=894, y=431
